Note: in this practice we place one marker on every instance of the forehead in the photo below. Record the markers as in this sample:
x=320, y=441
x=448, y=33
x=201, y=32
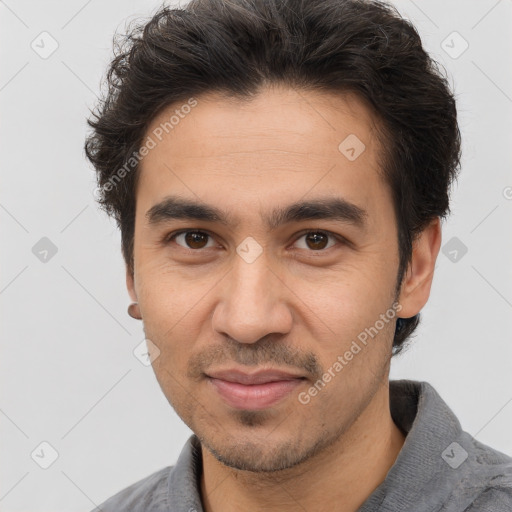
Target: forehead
x=281, y=142
x=276, y=118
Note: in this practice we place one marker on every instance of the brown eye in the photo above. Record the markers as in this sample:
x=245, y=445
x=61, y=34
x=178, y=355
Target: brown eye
x=316, y=240
x=192, y=239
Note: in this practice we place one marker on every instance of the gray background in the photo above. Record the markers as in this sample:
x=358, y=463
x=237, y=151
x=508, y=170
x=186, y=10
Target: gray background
x=68, y=373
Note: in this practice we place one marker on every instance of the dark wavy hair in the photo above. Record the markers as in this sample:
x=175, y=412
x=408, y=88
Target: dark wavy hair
x=236, y=47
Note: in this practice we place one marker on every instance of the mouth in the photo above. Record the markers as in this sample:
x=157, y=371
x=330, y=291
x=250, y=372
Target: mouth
x=254, y=391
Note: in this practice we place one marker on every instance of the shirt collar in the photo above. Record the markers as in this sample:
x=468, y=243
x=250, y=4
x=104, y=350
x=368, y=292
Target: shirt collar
x=420, y=476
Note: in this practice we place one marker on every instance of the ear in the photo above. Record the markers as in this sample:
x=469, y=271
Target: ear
x=133, y=308
x=130, y=284
x=415, y=288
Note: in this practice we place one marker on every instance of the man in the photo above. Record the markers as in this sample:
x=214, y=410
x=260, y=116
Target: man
x=278, y=170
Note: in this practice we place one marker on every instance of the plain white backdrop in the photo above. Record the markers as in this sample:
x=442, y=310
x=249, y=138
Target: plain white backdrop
x=69, y=377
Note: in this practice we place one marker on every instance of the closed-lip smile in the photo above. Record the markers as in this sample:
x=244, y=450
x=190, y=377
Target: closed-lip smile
x=253, y=391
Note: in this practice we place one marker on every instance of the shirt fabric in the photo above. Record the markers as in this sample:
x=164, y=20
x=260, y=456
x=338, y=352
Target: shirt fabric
x=440, y=468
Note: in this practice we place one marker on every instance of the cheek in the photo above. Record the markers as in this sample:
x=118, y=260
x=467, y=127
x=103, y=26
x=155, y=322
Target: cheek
x=353, y=348
x=164, y=292
x=347, y=300
x=177, y=308
x=343, y=319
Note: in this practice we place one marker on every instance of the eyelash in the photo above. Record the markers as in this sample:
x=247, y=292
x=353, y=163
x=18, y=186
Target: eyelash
x=171, y=236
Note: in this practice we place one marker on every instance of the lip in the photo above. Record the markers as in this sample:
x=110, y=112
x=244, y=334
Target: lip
x=255, y=391
x=258, y=377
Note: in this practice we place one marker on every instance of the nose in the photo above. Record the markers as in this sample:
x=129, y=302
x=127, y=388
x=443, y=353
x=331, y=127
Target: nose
x=254, y=302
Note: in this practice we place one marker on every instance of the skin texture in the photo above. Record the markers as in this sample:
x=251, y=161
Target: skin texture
x=297, y=307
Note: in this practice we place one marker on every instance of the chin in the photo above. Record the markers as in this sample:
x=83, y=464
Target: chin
x=268, y=455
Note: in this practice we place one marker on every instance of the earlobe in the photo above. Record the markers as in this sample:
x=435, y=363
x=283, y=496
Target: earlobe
x=134, y=311
x=415, y=289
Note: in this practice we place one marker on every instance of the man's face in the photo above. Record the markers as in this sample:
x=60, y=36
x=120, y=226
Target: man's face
x=256, y=292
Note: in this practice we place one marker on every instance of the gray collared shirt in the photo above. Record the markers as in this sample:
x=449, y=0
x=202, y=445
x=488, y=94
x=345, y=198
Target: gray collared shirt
x=440, y=468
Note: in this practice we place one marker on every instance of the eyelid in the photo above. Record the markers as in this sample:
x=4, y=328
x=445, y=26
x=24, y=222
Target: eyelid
x=170, y=236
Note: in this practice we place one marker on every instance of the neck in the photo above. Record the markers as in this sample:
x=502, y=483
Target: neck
x=340, y=478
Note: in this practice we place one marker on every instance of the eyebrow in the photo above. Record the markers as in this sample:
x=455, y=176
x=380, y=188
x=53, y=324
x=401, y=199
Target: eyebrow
x=339, y=209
